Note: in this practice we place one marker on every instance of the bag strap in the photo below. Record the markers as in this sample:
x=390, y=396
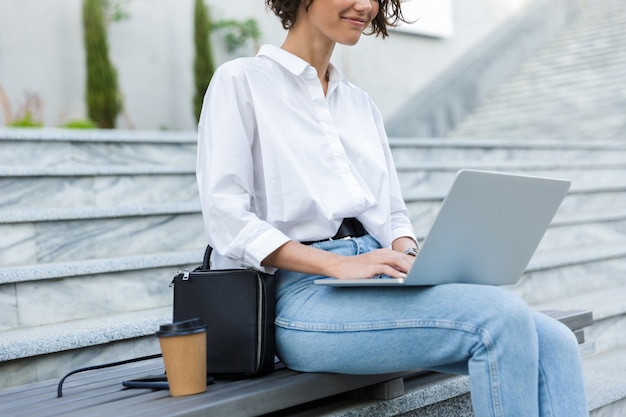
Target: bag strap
x=206, y=263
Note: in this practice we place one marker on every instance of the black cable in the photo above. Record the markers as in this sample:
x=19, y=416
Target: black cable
x=106, y=365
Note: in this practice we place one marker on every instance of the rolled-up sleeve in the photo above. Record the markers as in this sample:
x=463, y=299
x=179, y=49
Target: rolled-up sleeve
x=225, y=173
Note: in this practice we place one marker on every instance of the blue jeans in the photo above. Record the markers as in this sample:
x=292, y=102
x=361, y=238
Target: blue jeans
x=520, y=362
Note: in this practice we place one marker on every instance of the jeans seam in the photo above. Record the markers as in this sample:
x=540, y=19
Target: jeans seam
x=494, y=383
x=374, y=325
x=542, y=375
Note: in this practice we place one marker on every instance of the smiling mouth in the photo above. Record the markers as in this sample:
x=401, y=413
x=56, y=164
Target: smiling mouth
x=355, y=21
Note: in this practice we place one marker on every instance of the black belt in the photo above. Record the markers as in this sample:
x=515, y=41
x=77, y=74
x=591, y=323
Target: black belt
x=349, y=227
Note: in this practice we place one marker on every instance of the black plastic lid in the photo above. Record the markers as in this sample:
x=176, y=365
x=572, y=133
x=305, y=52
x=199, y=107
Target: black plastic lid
x=182, y=328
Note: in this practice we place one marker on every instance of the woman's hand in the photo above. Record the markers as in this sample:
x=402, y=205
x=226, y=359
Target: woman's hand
x=377, y=262
x=297, y=257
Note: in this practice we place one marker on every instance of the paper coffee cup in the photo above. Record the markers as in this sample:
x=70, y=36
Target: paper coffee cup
x=183, y=345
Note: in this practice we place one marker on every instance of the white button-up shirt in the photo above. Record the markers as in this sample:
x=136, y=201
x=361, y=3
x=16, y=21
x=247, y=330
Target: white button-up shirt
x=278, y=160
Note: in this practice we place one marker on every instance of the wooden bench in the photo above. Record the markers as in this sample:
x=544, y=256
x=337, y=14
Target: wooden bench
x=100, y=393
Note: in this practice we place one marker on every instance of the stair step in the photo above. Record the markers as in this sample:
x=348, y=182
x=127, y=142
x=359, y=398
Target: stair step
x=412, y=152
x=609, y=313
x=38, y=145
x=605, y=383
x=163, y=187
x=97, y=213
x=49, y=293
x=566, y=230
x=54, y=134
x=429, y=180
x=69, y=346
x=17, y=194
x=562, y=274
x=57, y=147
x=592, y=124
x=549, y=77
x=42, y=340
x=30, y=273
x=588, y=204
x=94, y=169
x=69, y=240
x=592, y=229
x=573, y=256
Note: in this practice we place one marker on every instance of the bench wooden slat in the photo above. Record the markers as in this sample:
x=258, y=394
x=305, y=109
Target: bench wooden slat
x=88, y=392
x=83, y=384
x=82, y=392
x=580, y=336
x=574, y=319
x=242, y=398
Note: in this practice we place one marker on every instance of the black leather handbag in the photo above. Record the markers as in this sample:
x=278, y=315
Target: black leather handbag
x=238, y=307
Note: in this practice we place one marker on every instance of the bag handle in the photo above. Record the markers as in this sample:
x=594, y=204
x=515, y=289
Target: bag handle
x=206, y=263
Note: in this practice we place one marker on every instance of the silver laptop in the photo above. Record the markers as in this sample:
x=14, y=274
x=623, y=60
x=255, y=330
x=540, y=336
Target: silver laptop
x=486, y=231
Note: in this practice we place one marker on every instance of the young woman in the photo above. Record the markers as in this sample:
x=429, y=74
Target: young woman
x=296, y=178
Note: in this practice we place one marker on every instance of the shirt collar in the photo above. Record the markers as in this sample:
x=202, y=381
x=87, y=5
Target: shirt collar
x=293, y=63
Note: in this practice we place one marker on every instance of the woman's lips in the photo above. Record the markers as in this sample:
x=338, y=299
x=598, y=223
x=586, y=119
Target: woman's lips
x=355, y=21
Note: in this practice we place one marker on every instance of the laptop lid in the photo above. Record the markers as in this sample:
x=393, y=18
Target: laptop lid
x=486, y=231
x=488, y=228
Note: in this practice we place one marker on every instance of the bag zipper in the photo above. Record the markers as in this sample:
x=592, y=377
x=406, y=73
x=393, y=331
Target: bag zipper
x=185, y=276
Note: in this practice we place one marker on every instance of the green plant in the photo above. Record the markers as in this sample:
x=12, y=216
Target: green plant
x=102, y=97
x=238, y=32
x=28, y=120
x=115, y=10
x=203, y=63
x=29, y=112
x=79, y=124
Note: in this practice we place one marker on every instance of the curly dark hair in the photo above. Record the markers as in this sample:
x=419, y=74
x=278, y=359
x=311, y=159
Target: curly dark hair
x=389, y=14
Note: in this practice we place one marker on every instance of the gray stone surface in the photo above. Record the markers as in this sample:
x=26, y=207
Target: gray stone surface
x=44, y=214
x=616, y=409
x=442, y=104
x=609, y=312
x=460, y=406
x=55, y=241
x=56, y=364
x=606, y=371
x=31, y=273
x=98, y=135
x=42, y=340
x=55, y=148
x=573, y=89
x=433, y=395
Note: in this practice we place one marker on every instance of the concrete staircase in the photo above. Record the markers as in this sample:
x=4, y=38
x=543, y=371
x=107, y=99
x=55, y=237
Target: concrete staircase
x=94, y=225
x=572, y=89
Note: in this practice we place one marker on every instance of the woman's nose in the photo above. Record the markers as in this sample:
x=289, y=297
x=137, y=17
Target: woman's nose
x=364, y=5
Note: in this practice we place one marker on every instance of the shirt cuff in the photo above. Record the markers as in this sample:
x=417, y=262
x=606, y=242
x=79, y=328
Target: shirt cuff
x=404, y=232
x=263, y=245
